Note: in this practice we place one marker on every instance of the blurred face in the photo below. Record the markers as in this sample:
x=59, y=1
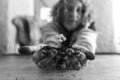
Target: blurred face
x=72, y=14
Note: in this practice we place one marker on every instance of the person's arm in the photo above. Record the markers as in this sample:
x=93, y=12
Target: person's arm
x=86, y=41
x=50, y=36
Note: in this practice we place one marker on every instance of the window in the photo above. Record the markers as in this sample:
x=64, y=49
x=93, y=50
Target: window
x=45, y=14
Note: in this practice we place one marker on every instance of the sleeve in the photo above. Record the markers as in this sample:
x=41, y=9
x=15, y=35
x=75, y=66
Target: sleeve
x=86, y=40
x=48, y=35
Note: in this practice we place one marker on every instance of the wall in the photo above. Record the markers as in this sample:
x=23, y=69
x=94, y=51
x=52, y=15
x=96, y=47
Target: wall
x=116, y=24
x=104, y=25
x=3, y=25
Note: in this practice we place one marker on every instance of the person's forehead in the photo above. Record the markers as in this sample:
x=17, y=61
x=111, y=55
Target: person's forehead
x=74, y=3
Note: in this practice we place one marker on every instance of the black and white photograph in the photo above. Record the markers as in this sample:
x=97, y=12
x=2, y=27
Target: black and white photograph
x=59, y=39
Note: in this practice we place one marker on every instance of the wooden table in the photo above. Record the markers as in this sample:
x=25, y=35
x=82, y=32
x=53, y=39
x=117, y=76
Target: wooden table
x=104, y=67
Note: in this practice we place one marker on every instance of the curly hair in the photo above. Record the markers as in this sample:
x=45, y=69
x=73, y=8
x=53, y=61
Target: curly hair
x=58, y=11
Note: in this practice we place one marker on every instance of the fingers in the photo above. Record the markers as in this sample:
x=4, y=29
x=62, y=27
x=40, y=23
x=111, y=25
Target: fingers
x=81, y=57
x=61, y=65
x=68, y=63
x=75, y=63
x=89, y=55
x=45, y=59
x=50, y=58
x=39, y=55
x=73, y=59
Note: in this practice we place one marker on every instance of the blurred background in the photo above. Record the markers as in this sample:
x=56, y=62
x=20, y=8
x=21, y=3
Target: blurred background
x=37, y=14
